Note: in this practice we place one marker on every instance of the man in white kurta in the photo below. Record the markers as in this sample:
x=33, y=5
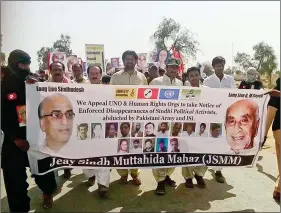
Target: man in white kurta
x=162, y=175
x=129, y=76
x=102, y=175
x=197, y=172
x=219, y=80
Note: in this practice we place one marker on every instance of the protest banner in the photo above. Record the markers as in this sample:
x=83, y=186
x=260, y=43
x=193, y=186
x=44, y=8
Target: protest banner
x=142, y=126
x=95, y=55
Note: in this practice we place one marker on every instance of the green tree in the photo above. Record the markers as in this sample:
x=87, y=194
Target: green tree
x=42, y=57
x=169, y=33
x=238, y=72
x=3, y=59
x=62, y=45
x=264, y=59
x=244, y=61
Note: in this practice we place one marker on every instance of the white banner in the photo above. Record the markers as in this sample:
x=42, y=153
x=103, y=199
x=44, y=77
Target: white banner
x=89, y=126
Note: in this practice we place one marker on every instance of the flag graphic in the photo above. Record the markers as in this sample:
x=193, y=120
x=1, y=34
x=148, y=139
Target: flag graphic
x=148, y=93
x=12, y=96
x=169, y=94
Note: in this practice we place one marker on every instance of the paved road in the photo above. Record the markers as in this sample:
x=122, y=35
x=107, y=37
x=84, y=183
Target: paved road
x=247, y=189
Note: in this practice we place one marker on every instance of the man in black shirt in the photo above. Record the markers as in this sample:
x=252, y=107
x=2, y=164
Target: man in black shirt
x=251, y=82
x=15, y=146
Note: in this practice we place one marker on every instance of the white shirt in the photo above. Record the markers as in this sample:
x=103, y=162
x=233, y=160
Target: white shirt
x=165, y=80
x=122, y=152
x=252, y=151
x=204, y=134
x=123, y=78
x=185, y=134
x=60, y=153
x=214, y=82
x=136, y=151
x=160, y=134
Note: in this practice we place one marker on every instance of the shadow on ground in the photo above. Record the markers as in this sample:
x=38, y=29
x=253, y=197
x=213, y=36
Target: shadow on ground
x=129, y=198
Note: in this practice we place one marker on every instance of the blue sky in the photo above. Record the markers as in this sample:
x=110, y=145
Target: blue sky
x=128, y=25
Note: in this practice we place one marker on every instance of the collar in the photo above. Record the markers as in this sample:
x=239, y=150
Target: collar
x=123, y=72
x=167, y=78
x=224, y=77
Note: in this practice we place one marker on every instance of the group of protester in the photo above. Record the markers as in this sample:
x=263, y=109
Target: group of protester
x=15, y=146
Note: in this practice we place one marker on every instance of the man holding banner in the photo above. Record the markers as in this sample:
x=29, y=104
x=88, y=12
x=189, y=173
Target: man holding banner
x=197, y=172
x=14, y=159
x=219, y=80
x=129, y=76
x=162, y=176
x=101, y=174
x=57, y=70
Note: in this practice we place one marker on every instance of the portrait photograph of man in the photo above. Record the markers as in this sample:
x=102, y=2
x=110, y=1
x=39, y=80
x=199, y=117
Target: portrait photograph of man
x=174, y=145
x=162, y=145
x=21, y=115
x=215, y=130
x=149, y=145
x=202, y=131
x=137, y=129
x=58, y=57
x=241, y=125
x=111, y=130
x=149, y=130
x=123, y=146
x=83, y=131
x=136, y=146
x=163, y=130
x=56, y=116
x=124, y=129
x=188, y=130
x=176, y=129
x=97, y=131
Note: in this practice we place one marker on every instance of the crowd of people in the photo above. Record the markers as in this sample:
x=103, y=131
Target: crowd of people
x=15, y=146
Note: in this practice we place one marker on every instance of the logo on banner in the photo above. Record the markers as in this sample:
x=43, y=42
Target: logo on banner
x=169, y=94
x=148, y=93
x=190, y=94
x=12, y=96
x=125, y=93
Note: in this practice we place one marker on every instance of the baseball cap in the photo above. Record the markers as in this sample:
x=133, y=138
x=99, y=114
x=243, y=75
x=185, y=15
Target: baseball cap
x=173, y=61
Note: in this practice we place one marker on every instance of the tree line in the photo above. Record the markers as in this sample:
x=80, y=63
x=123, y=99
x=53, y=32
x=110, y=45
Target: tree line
x=168, y=33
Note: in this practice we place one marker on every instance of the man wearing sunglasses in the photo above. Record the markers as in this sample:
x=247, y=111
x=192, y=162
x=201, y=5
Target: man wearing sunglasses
x=56, y=120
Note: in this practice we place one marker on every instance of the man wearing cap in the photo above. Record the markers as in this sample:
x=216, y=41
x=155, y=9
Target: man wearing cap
x=14, y=157
x=129, y=76
x=153, y=73
x=162, y=176
x=251, y=82
x=170, y=77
